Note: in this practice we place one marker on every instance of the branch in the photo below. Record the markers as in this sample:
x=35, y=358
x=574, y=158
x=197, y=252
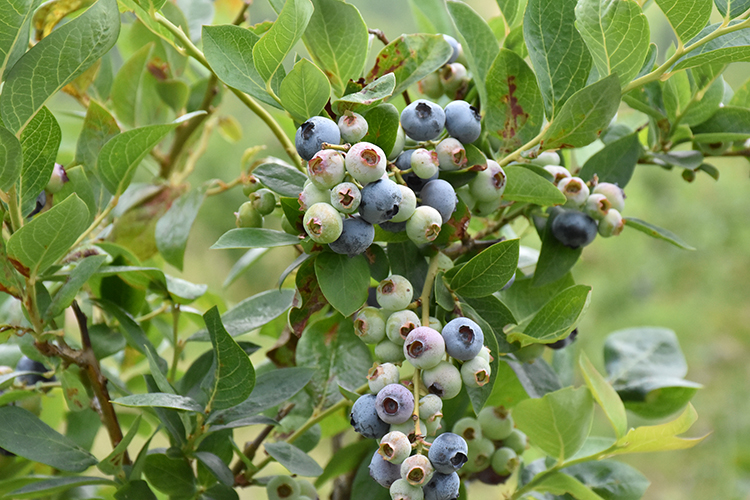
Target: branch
x=252, y=448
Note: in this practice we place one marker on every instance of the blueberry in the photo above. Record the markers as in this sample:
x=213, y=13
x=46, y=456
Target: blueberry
x=558, y=173
x=614, y=194
x=251, y=185
x=441, y=196
x=394, y=404
x=382, y=375
x=365, y=162
x=346, y=197
x=547, y=158
x=313, y=133
x=417, y=470
x=326, y=168
x=395, y=293
x=451, y=154
x=264, y=201
x=448, y=453
x=480, y=454
x=424, y=347
x=384, y=472
x=400, y=324
x=462, y=120
x=424, y=225
x=380, y=201
x=468, y=428
x=486, y=208
x=560, y=344
x=416, y=183
x=575, y=190
x=430, y=86
x=422, y=120
x=435, y=324
x=402, y=490
x=356, y=236
x=395, y=447
x=434, y=425
x=398, y=146
x=504, y=461
x=444, y=380
x=475, y=372
x=463, y=338
x=496, y=422
x=282, y=488
x=612, y=224
x=442, y=487
x=403, y=162
x=430, y=407
x=323, y=223
x=596, y=206
x=41, y=202
x=389, y=352
x=369, y=325
x=312, y=194
x=59, y=177
x=26, y=364
x=364, y=418
x=455, y=46
x=574, y=229
x=248, y=216
x=517, y=441
x=453, y=76
x=353, y=127
x=424, y=163
x=307, y=489
x=409, y=429
x=393, y=227
x=406, y=207
x=485, y=352
x=489, y=184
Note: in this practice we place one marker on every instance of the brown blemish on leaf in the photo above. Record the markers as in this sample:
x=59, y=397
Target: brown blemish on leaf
x=19, y=267
x=517, y=117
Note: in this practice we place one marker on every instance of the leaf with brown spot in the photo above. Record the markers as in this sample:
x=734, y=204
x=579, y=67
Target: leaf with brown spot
x=311, y=297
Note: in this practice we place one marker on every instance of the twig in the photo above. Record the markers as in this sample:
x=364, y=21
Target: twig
x=379, y=35
x=251, y=448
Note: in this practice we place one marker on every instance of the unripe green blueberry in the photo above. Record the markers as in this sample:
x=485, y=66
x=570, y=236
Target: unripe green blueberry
x=575, y=190
x=547, y=158
x=612, y=224
x=504, y=461
x=409, y=429
x=395, y=447
x=485, y=352
x=475, y=372
x=713, y=148
x=424, y=163
x=398, y=146
x=496, y=422
x=407, y=206
x=468, y=428
x=417, y=469
x=402, y=490
x=264, y=201
x=614, y=194
x=282, y=488
x=489, y=184
x=389, y=352
x=59, y=177
x=395, y=293
x=434, y=425
x=430, y=407
x=248, y=216
x=365, y=162
x=430, y=86
x=558, y=173
x=444, y=262
x=323, y=223
x=486, y=208
x=517, y=441
x=452, y=77
x=251, y=186
x=353, y=127
x=480, y=454
x=435, y=324
x=444, y=380
x=307, y=489
x=312, y=194
x=464, y=194
x=345, y=197
x=451, y=154
x=400, y=324
x=326, y=168
x=382, y=375
x=597, y=206
x=369, y=325
x=424, y=225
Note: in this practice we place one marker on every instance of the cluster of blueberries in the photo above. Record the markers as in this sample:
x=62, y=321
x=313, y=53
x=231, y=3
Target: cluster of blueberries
x=262, y=202
x=591, y=208
x=392, y=414
x=451, y=80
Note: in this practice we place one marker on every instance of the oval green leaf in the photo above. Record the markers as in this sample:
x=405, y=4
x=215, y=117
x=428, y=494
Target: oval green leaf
x=488, y=272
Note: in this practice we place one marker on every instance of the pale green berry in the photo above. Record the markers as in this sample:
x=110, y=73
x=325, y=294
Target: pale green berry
x=264, y=201
x=248, y=216
x=395, y=447
x=504, y=461
x=496, y=422
x=402, y=490
x=424, y=163
x=517, y=440
x=486, y=208
x=430, y=406
x=346, y=197
x=485, y=354
x=395, y=292
x=597, y=206
x=326, y=168
x=369, y=325
x=417, y=470
x=547, y=158
x=575, y=190
x=389, y=352
x=282, y=488
x=353, y=127
x=398, y=146
x=558, y=173
x=451, y=154
x=475, y=372
x=452, y=77
x=468, y=428
x=365, y=162
x=444, y=380
x=489, y=184
x=614, y=194
x=480, y=454
x=409, y=429
x=400, y=324
x=307, y=489
x=424, y=225
x=323, y=223
x=611, y=224
x=312, y=194
x=382, y=375
x=430, y=86
x=435, y=324
x=407, y=206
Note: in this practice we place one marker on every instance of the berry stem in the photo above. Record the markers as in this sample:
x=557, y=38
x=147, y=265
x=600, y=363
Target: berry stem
x=427, y=289
x=417, y=431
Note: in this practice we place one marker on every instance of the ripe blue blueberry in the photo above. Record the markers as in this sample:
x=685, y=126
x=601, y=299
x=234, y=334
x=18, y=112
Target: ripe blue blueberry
x=369, y=325
x=611, y=224
x=403, y=162
x=489, y=184
x=442, y=487
x=382, y=375
x=282, y=488
x=424, y=163
x=365, y=420
x=417, y=470
x=346, y=197
x=313, y=133
x=394, y=404
x=423, y=120
x=356, y=236
x=395, y=293
x=424, y=225
x=402, y=490
x=26, y=364
x=496, y=422
x=326, y=168
x=395, y=447
x=444, y=380
x=416, y=183
x=312, y=194
x=380, y=201
x=614, y=194
x=323, y=223
x=455, y=46
x=41, y=202
x=574, y=229
x=462, y=120
x=441, y=196
x=575, y=190
x=365, y=162
x=353, y=127
x=448, y=453
x=475, y=372
x=451, y=154
x=400, y=324
x=393, y=227
x=424, y=347
x=407, y=206
x=463, y=338
x=384, y=472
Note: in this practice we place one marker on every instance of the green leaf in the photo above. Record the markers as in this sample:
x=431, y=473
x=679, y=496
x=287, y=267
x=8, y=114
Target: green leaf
x=305, y=90
x=488, y=272
x=508, y=390
x=559, y=484
x=584, y=116
x=479, y=395
x=173, y=476
x=98, y=127
x=512, y=10
x=48, y=237
x=280, y=177
x=615, y=162
x=732, y=47
x=524, y=185
x=337, y=355
x=130, y=329
x=605, y=395
x=40, y=141
x=343, y=280
x=515, y=109
x=692, y=100
x=557, y=51
x=732, y=8
x=49, y=487
x=662, y=437
x=173, y=228
x=11, y=158
x=617, y=35
x=497, y=315
x=610, y=479
x=656, y=232
x=135, y=490
x=478, y=42
x=251, y=237
x=555, y=259
x=410, y=58
x=345, y=460
x=233, y=376
x=555, y=320
x=229, y=52
x=382, y=126
x=56, y=61
x=135, y=100
x=22, y=433
x=79, y=184
x=741, y=97
x=269, y=52
x=78, y=277
x=337, y=39
x=14, y=35
x=159, y=400
x=559, y=422
x=431, y=16
x=243, y=264
x=114, y=461
x=295, y=460
x=217, y=467
x=687, y=17
x=122, y=154
x=727, y=124
x=370, y=96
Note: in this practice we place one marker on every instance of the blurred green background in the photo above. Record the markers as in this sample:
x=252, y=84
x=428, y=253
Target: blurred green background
x=703, y=295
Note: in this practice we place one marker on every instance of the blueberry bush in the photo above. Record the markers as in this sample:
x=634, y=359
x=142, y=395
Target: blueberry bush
x=434, y=193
